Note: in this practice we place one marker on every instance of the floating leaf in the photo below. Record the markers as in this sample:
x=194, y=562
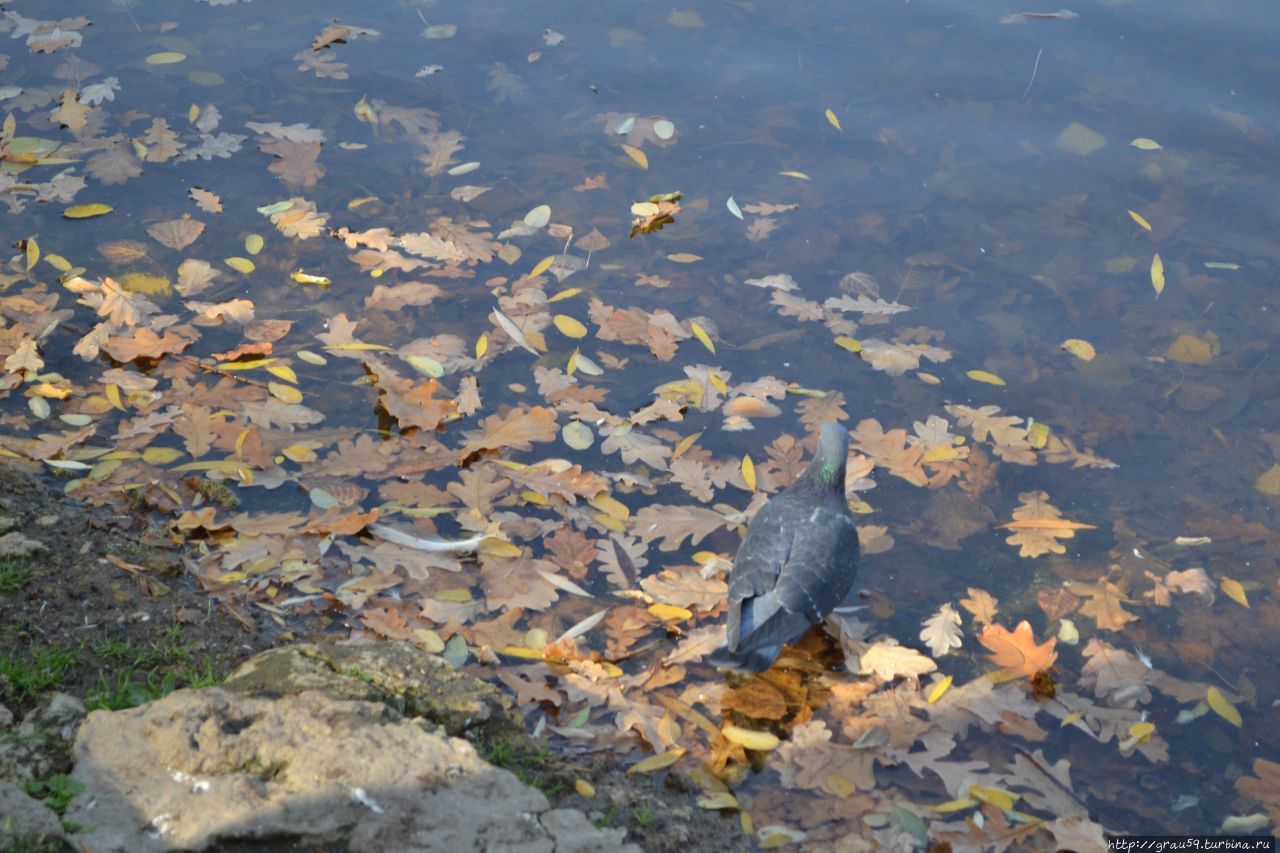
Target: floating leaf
x=684, y=258
x=584, y=788
x=1082, y=350
x=668, y=612
x=538, y=217
x=1157, y=273
x=1222, y=707
x=637, y=155
x=834, y=120
x=1140, y=219
x=542, y=266
x=569, y=327
x=241, y=265
x=940, y=689
x=664, y=129
x=733, y=207
x=1269, y=482
x=463, y=168
x=1235, y=591
x=165, y=57
x=702, y=336
x=1145, y=144
x=793, y=174
x=253, y=243
x=1220, y=265
x=984, y=376
x=750, y=739
x=749, y=472
x=1078, y=139
x=86, y=211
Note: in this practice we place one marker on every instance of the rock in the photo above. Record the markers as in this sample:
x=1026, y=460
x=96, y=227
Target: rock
x=14, y=544
x=210, y=767
x=25, y=823
x=40, y=746
x=414, y=682
x=6, y=717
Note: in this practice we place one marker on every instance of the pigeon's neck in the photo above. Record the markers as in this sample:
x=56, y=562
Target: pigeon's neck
x=821, y=480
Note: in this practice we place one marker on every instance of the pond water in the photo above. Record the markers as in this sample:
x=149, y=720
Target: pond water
x=586, y=280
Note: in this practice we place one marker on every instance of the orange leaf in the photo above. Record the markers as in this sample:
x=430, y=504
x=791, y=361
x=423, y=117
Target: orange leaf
x=1017, y=650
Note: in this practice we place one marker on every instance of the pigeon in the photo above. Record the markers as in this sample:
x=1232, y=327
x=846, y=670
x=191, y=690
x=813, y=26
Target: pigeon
x=795, y=565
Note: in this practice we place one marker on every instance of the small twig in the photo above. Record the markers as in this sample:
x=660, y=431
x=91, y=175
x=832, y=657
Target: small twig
x=1053, y=778
x=1033, y=73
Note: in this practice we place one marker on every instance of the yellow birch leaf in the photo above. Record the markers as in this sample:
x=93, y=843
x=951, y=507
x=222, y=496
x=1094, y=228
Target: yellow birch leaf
x=1235, y=591
x=656, y=762
x=1082, y=350
x=86, y=211
x=565, y=294
x=750, y=739
x=940, y=689
x=240, y=265
x=996, y=797
x=499, y=548
x=684, y=258
x=253, y=243
x=482, y=346
x=298, y=453
x=1138, y=218
x=839, y=784
x=1268, y=483
x=1142, y=730
x=1223, y=708
x=112, y=392
x=668, y=612
x=689, y=440
x=702, y=336
x=569, y=327
x=717, y=382
x=953, y=806
x=792, y=174
x=1145, y=144
x=1070, y=718
x=510, y=253
x=845, y=342
x=312, y=357
x=984, y=376
x=283, y=371
x=521, y=652
x=722, y=800
x=32, y=249
x=1038, y=435
x=284, y=393
x=834, y=120
x=165, y=57
x=1157, y=273
x=307, y=278
x=749, y=472
x=585, y=788
x=542, y=266
x=611, y=505
x=426, y=365
x=637, y=155
x=161, y=455
x=456, y=595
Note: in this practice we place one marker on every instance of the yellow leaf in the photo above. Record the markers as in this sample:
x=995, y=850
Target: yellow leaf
x=749, y=472
x=845, y=342
x=702, y=336
x=457, y=595
x=1190, y=350
x=941, y=453
x=1157, y=273
x=165, y=57
x=839, y=784
x=283, y=371
x=834, y=120
x=1137, y=217
x=1222, y=707
x=1038, y=435
x=426, y=365
x=499, y=548
x=1145, y=144
x=717, y=382
x=112, y=392
x=298, y=453
x=1235, y=591
x=984, y=376
x=32, y=249
x=86, y=211
x=510, y=253
x=996, y=797
x=1070, y=718
x=306, y=278
x=750, y=738
x=611, y=506
x=669, y=612
x=953, y=806
x=637, y=155
x=565, y=294
x=284, y=393
x=312, y=357
x=656, y=762
x=684, y=258
x=1268, y=483
x=253, y=243
x=521, y=652
x=160, y=455
x=542, y=266
x=689, y=440
x=722, y=800
x=940, y=689
x=1144, y=730
x=569, y=327
x=482, y=346
x=1082, y=350
x=240, y=265
x=801, y=175
x=585, y=788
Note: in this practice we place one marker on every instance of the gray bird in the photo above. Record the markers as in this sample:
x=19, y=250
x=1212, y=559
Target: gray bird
x=795, y=565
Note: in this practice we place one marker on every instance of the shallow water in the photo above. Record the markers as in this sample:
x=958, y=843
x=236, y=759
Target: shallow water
x=997, y=188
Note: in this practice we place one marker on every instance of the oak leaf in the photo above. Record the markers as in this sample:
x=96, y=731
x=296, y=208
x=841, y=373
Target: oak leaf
x=942, y=631
x=1017, y=650
x=517, y=581
x=514, y=429
x=1106, y=604
x=1038, y=525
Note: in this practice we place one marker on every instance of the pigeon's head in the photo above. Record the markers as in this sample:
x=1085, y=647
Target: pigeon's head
x=826, y=469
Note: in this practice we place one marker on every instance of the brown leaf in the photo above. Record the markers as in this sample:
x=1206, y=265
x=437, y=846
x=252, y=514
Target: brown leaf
x=514, y=429
x=1057, y=602
x=147, y=344
x=297, y=163
x=673, y=524
x=1263, y=786
x=1038, y=526
x=1105, y=604
x=517, y=582
x=1017, y=650
x=176, y=233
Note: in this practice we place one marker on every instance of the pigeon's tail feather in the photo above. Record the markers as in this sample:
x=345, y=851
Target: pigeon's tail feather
x=748, y=660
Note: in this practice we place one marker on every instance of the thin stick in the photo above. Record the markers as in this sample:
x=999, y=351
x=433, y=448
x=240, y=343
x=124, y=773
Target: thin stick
x=1033, y=73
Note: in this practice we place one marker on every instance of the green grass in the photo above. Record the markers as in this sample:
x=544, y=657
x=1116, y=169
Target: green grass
x=14, y=574
x=31, y=676
x=128, y=690
x=528, y=764
x=644, y=816
x=56, y=791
